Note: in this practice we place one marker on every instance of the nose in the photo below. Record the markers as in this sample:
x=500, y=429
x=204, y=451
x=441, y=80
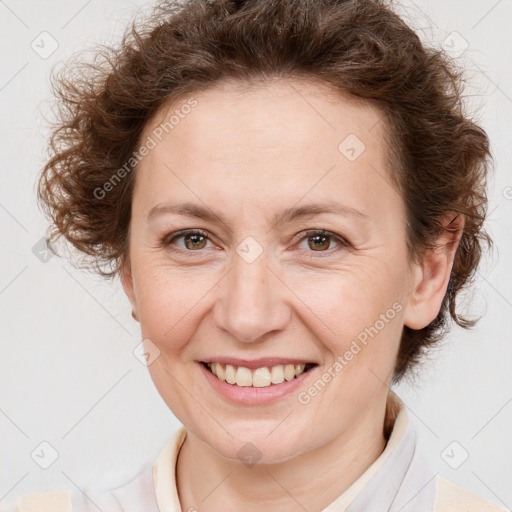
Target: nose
x=251, y=301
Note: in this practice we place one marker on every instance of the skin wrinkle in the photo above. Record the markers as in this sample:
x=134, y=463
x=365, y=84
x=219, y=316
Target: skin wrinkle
x=216, y=303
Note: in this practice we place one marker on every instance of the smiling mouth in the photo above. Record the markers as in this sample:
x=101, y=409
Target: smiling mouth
x=258, y=377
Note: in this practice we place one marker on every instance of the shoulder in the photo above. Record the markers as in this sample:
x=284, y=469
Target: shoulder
x=135, y=496
x=56, y=501
x=451, y=497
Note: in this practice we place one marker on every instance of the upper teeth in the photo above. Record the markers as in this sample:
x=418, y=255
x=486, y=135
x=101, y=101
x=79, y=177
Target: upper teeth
x=259, y=378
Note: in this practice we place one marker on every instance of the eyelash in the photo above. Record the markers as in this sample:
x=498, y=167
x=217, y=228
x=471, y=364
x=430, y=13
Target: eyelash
x=168, y=239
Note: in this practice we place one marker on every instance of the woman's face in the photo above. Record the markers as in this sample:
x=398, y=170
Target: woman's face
x=255, y=169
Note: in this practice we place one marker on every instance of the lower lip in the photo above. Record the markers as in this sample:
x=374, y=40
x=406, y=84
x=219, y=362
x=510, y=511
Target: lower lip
x=250, y=395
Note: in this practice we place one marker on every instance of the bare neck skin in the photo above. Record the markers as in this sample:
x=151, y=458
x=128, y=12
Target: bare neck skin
x=209, y=482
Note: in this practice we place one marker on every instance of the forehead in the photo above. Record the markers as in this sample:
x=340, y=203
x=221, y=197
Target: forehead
x=271, y=139
x=252, y=114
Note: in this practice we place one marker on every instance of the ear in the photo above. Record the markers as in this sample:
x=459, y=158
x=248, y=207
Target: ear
x=127, y=282
x=433, y=275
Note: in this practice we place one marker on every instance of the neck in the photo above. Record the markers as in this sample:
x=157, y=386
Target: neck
x=217, y=483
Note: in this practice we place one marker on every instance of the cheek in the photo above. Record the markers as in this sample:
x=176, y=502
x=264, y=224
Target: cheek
x=350, y=303
x=360, y=328
x=357, y=316
x=168, y=304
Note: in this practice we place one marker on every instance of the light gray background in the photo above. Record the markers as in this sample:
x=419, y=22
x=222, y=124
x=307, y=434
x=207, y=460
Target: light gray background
x=69, y=376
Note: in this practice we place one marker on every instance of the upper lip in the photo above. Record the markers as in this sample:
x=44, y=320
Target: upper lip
x=257, y=363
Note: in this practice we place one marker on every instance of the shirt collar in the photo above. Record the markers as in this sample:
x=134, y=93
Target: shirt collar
x=399, y=479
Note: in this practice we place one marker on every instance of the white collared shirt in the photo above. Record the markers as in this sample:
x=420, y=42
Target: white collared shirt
x=399, y=480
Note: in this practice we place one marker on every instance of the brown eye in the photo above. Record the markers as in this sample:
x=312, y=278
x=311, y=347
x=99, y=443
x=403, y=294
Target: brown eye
x=321, y=240
x=193, y=240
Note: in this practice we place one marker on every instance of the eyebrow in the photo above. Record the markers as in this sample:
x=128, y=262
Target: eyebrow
x=308, y=210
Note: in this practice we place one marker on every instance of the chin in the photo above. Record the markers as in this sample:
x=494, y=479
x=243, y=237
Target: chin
x=265, y=441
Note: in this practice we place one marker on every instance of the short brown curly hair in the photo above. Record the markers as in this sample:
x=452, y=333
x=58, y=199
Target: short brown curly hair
x=440, y=157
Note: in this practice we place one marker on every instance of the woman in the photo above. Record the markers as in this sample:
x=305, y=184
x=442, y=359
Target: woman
x=293, y=199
